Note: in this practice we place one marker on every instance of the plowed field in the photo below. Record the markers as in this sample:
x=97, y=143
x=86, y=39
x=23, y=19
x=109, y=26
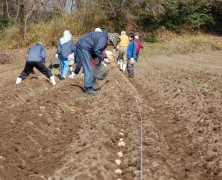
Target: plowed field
x=169, y=118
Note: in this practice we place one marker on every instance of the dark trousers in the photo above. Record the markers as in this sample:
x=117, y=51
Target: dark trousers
x=130, y=69
x=38, y=65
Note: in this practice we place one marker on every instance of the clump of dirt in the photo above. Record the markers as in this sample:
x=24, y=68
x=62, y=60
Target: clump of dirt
x=5, y=58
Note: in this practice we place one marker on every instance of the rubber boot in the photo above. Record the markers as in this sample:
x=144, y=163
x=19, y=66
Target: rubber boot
x=124, y=67
x=121, y=65
x=91, y=91
x=114, y=53
x=52, y=80
x=18, y=80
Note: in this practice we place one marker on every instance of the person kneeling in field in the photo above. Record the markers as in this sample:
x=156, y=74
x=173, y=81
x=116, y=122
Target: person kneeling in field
x=36, y=58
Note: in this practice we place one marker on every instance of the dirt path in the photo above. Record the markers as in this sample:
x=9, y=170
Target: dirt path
x=61, y=132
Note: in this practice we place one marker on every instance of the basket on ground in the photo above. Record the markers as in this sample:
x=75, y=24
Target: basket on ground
x=101, y=71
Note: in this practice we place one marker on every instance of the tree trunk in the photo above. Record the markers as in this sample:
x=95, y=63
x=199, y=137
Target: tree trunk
x=22, y=25
x=3, y=10
x=24, y=17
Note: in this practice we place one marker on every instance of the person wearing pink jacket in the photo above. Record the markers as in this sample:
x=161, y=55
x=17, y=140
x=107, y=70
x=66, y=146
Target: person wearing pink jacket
x=139, y=45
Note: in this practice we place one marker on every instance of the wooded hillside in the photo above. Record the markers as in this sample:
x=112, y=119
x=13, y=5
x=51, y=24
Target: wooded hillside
x=139, y=16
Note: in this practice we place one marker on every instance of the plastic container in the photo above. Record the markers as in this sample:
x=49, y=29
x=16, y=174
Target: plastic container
x=101, y=71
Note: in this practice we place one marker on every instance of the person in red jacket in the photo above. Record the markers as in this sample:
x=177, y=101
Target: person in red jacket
x=139, y=45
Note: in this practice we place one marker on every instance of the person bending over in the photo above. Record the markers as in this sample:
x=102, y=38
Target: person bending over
x=36, y=58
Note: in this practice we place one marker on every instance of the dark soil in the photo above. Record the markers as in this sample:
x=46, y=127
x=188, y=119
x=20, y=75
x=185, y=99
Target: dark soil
x=173, y=106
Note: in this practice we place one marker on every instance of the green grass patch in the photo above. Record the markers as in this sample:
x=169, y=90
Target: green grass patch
x=69, y=109
x=42, y=90
x=199, y=84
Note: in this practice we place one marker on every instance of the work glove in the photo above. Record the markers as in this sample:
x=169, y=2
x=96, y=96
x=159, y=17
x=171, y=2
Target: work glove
x=56, y=56
x=131, y=61
x=106, y=60
x=71, y=69
x=72, y=76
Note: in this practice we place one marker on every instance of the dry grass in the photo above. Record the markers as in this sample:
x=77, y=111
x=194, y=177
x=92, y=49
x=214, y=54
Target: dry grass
x=183, y=45
x=49, y=33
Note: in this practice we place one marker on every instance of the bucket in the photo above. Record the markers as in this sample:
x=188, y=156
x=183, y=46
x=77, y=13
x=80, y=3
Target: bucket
x=55, y=62
x=100, y=71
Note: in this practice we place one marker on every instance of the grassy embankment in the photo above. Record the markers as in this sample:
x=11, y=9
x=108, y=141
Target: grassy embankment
x=169, y=44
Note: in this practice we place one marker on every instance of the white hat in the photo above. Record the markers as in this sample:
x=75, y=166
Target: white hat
x=123, y=32
x=98, y=30
x=136, y=37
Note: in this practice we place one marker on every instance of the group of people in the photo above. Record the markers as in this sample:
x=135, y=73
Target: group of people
x=129, y=48
x=90, y=47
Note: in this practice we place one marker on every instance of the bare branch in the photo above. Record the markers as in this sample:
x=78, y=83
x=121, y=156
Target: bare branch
x=112, y=8
x=35, y=8
x=16, y=5
x=9, y=17
x=2, y=9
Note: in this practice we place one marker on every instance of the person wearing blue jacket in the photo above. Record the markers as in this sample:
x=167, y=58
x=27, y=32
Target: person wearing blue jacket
x=65, y=47
x=131, y=55
x=91, y=46
x=36, y=58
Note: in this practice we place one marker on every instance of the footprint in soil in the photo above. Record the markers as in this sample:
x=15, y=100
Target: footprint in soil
x=76, y=85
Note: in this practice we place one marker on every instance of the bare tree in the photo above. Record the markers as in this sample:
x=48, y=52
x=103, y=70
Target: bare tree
x=24, y=17
x=12, y=10
x=58, y=4
x=3, y=8
x=9, y=17
x=17, y=10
